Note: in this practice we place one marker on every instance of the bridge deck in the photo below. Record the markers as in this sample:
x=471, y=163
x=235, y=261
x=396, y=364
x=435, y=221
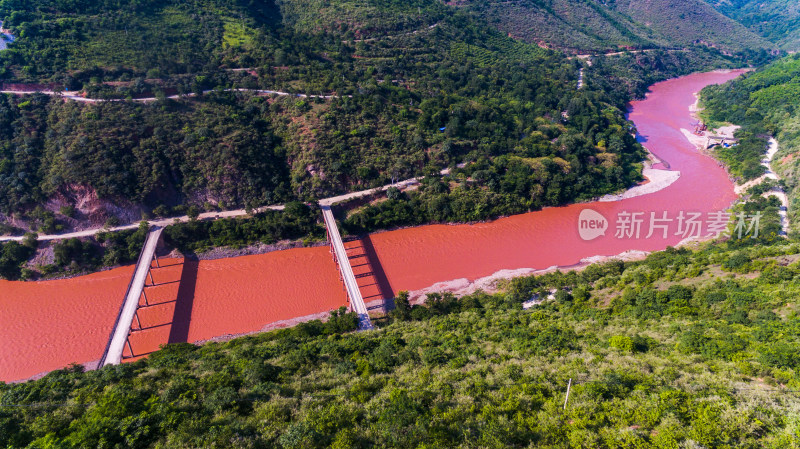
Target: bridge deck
x=349, y=279
x=116, y=345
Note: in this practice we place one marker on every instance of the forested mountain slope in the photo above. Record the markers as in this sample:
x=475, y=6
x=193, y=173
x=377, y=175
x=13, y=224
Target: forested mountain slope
x=684, y=349
x=591, y=26
x=417, y=86
x=684, y=22
x=776, y=20
x=70, y=41
x=576, y=26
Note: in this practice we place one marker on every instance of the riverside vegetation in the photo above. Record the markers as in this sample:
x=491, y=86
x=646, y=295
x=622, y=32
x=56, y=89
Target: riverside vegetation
x=776, y=20
x=764, y=104
x=684, y=348
x=107, y=249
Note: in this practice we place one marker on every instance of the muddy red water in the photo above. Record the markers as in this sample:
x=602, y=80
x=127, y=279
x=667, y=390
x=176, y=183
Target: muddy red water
x=47, y=325
x=196, y=301
x=416, y=258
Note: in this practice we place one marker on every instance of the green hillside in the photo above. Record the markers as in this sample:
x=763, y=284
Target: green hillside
x=687, y=22
x=776, y=20
x=417, y=87
x=59, y=37
x=684, y=349
x=590, y=26
x=575, y=26
x=360, y=19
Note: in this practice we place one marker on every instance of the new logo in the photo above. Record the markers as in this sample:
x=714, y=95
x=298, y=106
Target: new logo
x=591, y=224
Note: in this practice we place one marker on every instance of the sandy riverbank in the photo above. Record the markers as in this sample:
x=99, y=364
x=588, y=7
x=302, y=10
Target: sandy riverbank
x=657, y=180
x=701, y=142
x=491, y=284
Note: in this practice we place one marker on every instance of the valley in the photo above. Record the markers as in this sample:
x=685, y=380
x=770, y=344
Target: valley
x=443, y=257
x=385, y=223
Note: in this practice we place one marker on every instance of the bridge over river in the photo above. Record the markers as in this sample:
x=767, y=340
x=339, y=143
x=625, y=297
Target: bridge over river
x=128, y=311
x=346, y=270
x=124, y=325
x=433, y=258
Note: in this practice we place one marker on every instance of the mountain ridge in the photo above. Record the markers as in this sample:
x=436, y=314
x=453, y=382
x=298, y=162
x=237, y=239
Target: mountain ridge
x=776, y=20
x=600, y=26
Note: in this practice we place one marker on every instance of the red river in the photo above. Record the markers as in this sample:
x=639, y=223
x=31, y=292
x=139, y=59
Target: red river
x=48, y=325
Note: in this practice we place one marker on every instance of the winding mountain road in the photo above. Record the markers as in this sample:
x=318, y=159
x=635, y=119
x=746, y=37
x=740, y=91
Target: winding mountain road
x=162, y=222
x=80, y=98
